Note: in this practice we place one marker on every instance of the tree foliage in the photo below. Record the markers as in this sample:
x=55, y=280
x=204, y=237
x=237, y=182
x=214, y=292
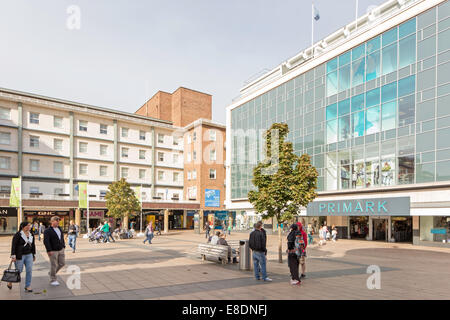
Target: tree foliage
x=121, y=200
x=284, y=182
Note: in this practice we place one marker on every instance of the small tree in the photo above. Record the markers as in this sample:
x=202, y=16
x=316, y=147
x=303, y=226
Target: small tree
x=121, y=201
x=284, y=181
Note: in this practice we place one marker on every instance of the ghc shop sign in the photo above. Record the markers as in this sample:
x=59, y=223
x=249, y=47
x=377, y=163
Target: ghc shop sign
x=361, y=207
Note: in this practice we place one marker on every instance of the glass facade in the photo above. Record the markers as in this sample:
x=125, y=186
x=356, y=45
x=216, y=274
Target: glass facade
x=377, y=115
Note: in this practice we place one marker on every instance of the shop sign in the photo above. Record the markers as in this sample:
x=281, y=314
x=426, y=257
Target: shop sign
x=95, y=214
x=8, y=212
x=439, y=231
x=212, y=198
x=46, y=213
x=361, y=207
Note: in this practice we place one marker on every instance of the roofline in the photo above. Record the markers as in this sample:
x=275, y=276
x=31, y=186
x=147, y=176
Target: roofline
x=207, y=94
x=203, y=121
x=78, y=104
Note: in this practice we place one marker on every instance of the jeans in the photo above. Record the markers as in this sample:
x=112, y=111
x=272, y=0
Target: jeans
x=107, y=236
x=149, y=238
x=310, y=238
x=26, y=260
x=259, y=264
x=72, y=241
x=207, y=234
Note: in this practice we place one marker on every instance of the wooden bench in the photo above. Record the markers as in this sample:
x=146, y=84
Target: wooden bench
x=234, y=244
x=214, y=251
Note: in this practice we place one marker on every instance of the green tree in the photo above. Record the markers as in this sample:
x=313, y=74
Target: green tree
x=121, y=201
x=283, y=182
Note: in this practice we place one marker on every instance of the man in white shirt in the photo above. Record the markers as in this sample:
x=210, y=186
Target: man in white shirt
x=215, y=238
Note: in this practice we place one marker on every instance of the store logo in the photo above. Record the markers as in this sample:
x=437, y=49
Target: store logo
x=347, y=207
x=374, y=281
x=4, y=211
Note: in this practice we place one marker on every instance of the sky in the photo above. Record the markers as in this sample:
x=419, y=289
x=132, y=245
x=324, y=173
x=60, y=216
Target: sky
x=126, y=50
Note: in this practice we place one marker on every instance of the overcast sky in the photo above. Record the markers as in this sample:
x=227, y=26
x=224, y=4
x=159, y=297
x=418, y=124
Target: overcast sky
x=127, y=50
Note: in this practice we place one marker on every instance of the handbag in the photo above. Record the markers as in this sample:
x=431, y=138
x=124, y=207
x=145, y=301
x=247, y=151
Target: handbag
x=11, y=275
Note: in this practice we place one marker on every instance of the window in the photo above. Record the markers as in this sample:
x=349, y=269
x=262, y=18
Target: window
x=124, y=132
x=144, y=195
x=373, y=66
x=344, y=128
x=176, y=141
x=34, y=192
x=175, y=158
x=103, y=150
x=212, y=155
x=34, y=165
x=5, y=138
x=82, y=147
x=194, y=174
x=406, y=110
x=103, y=129
x=5, y=163
x=82, y=125
x=194, y=136
x=189, y=140
x=388, y=115
x=160, y=175
x=189, y=175
x=83, y=169
x=212, y=173
x=5, y=190
x=58, y=191
x=175, y=176
x=34, y=142
x=194, y=155
x=34, y=118
x=331, y=131
x=141, y=173
x=5, y=114
x=389, y=59
x=103, y=194
x=57, y=144
x=407, y=28
x=212, y=135
x=189, y=157
x=176, y=196
x=103, y=171
x=124, y=152
x=358, y=124
x=142, y=154
x=160, y=138
x=192, y=193
x=124, y=172
x=407, y=51
x=160, y=195
x=58, y=167
x=389, y=92
x=406, y=86
x=160, y=156
x=332, y=83
x=57, y=122
x=142, y=135
x=373, y=120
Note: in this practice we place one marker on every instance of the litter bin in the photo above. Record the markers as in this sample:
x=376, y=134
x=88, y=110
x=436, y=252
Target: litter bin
x=244, y=255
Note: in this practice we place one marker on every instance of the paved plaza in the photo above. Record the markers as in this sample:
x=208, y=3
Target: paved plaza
x=171, y=269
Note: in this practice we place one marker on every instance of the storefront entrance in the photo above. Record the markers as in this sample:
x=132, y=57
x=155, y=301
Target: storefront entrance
x=359, y=227
x=45, y=216
x=402, y=229
x=8, y=220
x=380, y=229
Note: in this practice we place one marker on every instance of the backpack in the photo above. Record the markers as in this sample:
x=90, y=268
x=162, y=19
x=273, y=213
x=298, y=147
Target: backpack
x=299, y=244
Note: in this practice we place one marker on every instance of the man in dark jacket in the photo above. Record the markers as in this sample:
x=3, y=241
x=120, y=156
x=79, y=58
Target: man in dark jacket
x=54, y=244
x=257, y=243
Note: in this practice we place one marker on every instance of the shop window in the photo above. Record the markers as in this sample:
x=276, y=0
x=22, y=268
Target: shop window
x=387, y=171
x=358, y=124
x=344, y=128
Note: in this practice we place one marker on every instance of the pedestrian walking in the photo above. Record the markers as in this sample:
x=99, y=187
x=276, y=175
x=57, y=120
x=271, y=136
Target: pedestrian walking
x=54, y=244
x=229, y=229
x=310, y=233
x=41, y=230
x=158, y=228
x=258, y=242
x=293, y=257
x=72, y=235
x=302, y=261
x=207, y=230
x=334, y=234
x=23, y=252
x=149, y=233
x=106, y=229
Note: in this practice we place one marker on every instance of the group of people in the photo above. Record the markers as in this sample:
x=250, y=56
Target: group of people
x=23, y=250
x=325, y=235
x=220, y=239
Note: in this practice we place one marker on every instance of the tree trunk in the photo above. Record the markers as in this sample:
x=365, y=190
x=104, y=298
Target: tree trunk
x=125, y=222
x=280, y=254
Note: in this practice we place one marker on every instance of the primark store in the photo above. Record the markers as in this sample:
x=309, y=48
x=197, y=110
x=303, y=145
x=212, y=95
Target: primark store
x=370, y=104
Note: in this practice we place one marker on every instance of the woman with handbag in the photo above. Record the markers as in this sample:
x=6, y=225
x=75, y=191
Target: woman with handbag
x=23, y=251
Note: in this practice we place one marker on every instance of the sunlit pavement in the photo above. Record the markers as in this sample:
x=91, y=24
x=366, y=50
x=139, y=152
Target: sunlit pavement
x=170, y=268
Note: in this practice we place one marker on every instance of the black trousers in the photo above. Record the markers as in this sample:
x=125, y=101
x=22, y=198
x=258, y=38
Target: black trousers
x=293, y=263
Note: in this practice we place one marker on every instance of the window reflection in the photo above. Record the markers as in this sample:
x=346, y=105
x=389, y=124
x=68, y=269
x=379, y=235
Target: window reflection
x=390, y=59
x=373, y=120
x=387, y=171
x=406, y=110
x=373, y=66
x=406, y=170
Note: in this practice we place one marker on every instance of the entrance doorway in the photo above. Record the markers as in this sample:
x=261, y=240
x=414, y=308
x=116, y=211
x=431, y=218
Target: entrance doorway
x=359, y=227
x=380, y=229
x=402, y=229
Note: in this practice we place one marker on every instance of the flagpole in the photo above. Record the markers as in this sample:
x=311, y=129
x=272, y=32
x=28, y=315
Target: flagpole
x=87, y=209
x=356, y=15
x=312, y=29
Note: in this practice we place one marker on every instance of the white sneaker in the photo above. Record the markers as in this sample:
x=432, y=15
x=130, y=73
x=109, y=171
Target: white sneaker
x=294, y=282
x=54, y=283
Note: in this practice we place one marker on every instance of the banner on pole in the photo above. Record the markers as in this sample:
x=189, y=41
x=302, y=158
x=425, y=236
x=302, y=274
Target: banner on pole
x=82, y=195
x=16, y=193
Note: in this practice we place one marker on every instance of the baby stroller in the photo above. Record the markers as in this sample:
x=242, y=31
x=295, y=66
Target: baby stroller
x=96, y=235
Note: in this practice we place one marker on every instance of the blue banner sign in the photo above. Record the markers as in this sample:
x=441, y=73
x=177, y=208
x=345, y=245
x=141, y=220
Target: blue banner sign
x=212, y=198
x=439, y=231
x=361, y=207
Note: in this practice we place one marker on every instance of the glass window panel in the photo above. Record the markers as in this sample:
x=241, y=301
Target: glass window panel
x=407, y=28
x=442, y=90
x=388, y=148
x=443, y=106
x=358, y=124
x=344, y=59
x=388, y=115
x=426, y=79
x=331, y=131
x=406, y=170
x=425, y=172
x=443, y=155
x=358, y=52
x=443, y=138
x=358, y=102
x=373, y=66
x=344, y=78
x=444, y=10
x=389, y=37
x=344, y=128
x=426, y=48
x=387, y=171
x=373, y=45
x=389, y=92
x=428, y=156
x=425, y=110
x=426, y=18
x=332, y=85
x=373, y=120
x=358, y=72
x=407, y=51
x=389, y=59
x=344, y=107
x=443, y=73
x=332, y=65
x=332, y=112
x=406, y=86
x=425, y=142
x=373, y=97
x=443, y=171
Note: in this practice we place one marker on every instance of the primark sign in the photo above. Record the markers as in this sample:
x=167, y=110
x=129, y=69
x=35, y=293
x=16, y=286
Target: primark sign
x=361, y=207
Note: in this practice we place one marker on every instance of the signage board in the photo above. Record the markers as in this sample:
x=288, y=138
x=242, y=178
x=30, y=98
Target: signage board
x=212, y=198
